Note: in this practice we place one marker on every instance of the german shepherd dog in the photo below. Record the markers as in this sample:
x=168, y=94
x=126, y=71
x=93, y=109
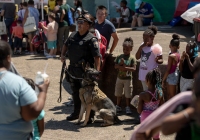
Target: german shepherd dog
x=92, y=98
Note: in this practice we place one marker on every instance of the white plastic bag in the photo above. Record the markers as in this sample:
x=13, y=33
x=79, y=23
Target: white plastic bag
x=3, y=28
x=30, y=24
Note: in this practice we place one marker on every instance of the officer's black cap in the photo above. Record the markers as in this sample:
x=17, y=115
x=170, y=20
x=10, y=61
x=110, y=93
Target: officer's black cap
x=89, y=18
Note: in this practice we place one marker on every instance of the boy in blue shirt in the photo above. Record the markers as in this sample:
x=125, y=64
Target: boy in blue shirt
x=143, y=15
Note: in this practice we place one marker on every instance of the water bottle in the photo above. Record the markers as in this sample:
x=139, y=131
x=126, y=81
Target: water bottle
x=38, y=81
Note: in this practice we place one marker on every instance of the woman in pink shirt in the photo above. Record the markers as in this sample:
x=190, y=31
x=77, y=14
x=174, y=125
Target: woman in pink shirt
x=52, y=29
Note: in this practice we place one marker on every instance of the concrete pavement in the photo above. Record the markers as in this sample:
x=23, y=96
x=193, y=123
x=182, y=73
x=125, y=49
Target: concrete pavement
x=56, y=126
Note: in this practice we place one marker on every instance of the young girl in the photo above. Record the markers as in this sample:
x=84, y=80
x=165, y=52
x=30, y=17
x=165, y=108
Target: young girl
x=148, y=59
x=38, y=123
x=52, y=29
x=126, y=64
x=152, y=98
x=172, y=74
x=186, y=65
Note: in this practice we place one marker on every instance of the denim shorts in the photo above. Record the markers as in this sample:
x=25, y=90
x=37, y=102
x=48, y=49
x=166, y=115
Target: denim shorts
x=172, y=79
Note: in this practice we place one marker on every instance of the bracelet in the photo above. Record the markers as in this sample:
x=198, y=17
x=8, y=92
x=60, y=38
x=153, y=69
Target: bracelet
x=186, y=115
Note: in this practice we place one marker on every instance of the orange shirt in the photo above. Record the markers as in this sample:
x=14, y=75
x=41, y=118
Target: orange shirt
x=18, y=31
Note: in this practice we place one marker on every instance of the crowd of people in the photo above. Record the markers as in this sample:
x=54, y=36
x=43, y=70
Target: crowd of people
x=21, y=105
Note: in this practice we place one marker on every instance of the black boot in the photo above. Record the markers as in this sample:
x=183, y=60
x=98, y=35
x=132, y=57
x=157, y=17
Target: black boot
x=77, y=106
x=72, y=117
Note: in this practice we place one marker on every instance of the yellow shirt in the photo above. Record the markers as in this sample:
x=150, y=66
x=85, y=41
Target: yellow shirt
x=52, y=4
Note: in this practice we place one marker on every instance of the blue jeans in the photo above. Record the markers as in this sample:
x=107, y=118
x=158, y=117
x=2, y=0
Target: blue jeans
x=8, y=22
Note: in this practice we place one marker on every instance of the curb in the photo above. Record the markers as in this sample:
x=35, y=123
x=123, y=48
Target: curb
x=121, y=30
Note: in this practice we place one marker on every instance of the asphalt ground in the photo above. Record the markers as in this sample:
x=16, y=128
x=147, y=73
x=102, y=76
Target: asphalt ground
x=56, y=126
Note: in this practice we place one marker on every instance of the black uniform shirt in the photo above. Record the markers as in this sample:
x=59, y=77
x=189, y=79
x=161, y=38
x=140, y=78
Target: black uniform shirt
x=82, y=47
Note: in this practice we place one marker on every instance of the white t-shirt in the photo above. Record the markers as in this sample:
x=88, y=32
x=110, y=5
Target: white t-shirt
x=147, y=62
x=125, y=12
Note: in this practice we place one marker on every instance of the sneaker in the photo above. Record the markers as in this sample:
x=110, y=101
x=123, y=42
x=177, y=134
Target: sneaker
x=45, y=53
x=70, y=103
x=49, y=56
x=54, y=56
x=118, y=109
x=29, y=53
x=128, y=110
x=134, y=28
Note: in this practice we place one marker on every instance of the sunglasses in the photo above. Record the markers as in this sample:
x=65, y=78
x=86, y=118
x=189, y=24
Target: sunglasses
x=80, y=21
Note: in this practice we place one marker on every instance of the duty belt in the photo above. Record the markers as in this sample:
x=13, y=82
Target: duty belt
x=76, y=65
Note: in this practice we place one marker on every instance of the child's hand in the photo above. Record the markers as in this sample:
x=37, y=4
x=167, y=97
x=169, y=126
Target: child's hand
x=157, y=58
x=183, y=56
x=122, y=61
x=187, y=56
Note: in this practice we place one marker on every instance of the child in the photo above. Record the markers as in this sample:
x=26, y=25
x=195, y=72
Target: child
x=148, y=59
x=172, y=74
x=38, y=126
x=17, y=33
x=124, y=14
x=38, y=123
x=125, y=63
x=52, y=29
x=186, y=65
x=152, y=98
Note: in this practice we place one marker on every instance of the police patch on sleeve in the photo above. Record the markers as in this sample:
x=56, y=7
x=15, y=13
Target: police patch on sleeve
x=95, y=43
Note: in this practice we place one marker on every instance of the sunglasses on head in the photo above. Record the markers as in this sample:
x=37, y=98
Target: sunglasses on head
x=80, y=21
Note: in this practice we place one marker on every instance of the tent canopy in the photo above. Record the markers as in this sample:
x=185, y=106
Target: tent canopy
x=183, y=6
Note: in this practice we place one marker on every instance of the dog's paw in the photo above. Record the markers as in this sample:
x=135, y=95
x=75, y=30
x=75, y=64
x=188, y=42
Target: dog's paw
x=77, y=123
x=83, y=125
x=105, y=124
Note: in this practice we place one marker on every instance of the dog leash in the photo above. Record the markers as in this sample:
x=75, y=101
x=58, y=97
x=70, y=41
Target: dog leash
x=61, y=78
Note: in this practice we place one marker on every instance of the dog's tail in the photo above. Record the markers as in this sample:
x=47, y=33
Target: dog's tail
x=117, y=120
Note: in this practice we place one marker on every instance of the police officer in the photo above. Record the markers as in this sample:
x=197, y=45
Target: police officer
x=81, y=47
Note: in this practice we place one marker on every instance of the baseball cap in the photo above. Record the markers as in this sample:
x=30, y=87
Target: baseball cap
x=138, y=3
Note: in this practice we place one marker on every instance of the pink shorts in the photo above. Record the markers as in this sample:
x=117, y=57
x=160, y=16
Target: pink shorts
x=143, y=116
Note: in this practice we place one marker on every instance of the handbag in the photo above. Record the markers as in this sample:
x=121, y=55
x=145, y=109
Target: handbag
x=3, y=30
x=30, y=25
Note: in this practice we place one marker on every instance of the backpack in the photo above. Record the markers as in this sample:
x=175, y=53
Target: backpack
x=130, y=15
x=69, y=19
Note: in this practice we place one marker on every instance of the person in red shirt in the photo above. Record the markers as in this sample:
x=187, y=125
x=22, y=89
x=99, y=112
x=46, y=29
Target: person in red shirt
x=18, y=36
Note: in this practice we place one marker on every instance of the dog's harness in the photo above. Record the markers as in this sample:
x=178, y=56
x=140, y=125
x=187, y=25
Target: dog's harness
x=96, y=94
